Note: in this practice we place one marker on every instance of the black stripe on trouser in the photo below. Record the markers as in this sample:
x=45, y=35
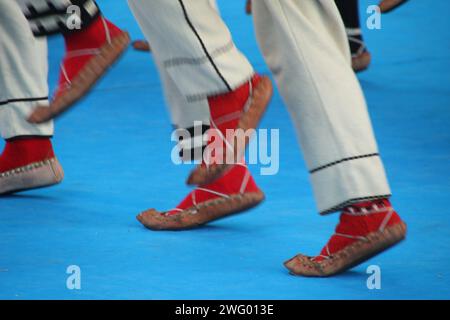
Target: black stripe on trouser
x=186, y=16
x=349, y=202
x=343, y=160
x=189, y=153
x=33, y=13
x=22, y=100
x=27, y=136
x=52, y=9
x=58, y=18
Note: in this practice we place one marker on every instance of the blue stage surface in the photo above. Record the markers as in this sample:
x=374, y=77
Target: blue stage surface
x=115, y=148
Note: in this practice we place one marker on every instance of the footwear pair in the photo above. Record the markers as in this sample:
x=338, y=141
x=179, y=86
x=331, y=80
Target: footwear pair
x=365, y=229
x=223, y=188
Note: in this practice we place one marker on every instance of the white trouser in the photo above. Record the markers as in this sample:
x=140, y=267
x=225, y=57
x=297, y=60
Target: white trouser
x=305, y=45
x=191, y=41
x=183, y=113
x=23, y=74
x=177, y=102
x=192, y=116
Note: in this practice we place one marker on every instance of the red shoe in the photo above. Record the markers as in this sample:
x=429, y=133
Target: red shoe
x=89, y=54
x=361, y=58
x=233, y=193
x=389, y=5
x=361, y=61
x=141, y=45
x=364, y=230
x=248, y=7
x=28, y=163
x=241, y=109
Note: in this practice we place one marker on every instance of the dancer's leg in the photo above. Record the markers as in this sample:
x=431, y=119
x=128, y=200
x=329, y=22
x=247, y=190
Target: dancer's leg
x=349, y=10
x=305, y=45
x=194, y=47
x=28, y=160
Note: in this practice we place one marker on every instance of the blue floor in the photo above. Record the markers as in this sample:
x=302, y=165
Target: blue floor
x=117, y=163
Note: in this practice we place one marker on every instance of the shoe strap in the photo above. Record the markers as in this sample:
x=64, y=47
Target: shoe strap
x=389, y=213
x=230, y=117
x=244, y=182
x=85, y=52
x=237, y=114
x=362, y=46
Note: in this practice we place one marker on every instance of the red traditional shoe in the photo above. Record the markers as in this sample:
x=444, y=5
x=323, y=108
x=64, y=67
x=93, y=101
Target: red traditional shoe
x=231, y=194
x=362, y=58
x=89, y=54
x=238, y=111
x=141, y=45
x=28, y=163
x=248, y=7
x=365, y=230
x=361, y=61
x=389, y=5
x=83, y=46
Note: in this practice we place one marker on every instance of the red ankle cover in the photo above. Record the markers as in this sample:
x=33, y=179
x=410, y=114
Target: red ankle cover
x=359, y=220
x=237, y=180
x=24, y=151
x=91, y=38
x=230, y=103
x=226, y=110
